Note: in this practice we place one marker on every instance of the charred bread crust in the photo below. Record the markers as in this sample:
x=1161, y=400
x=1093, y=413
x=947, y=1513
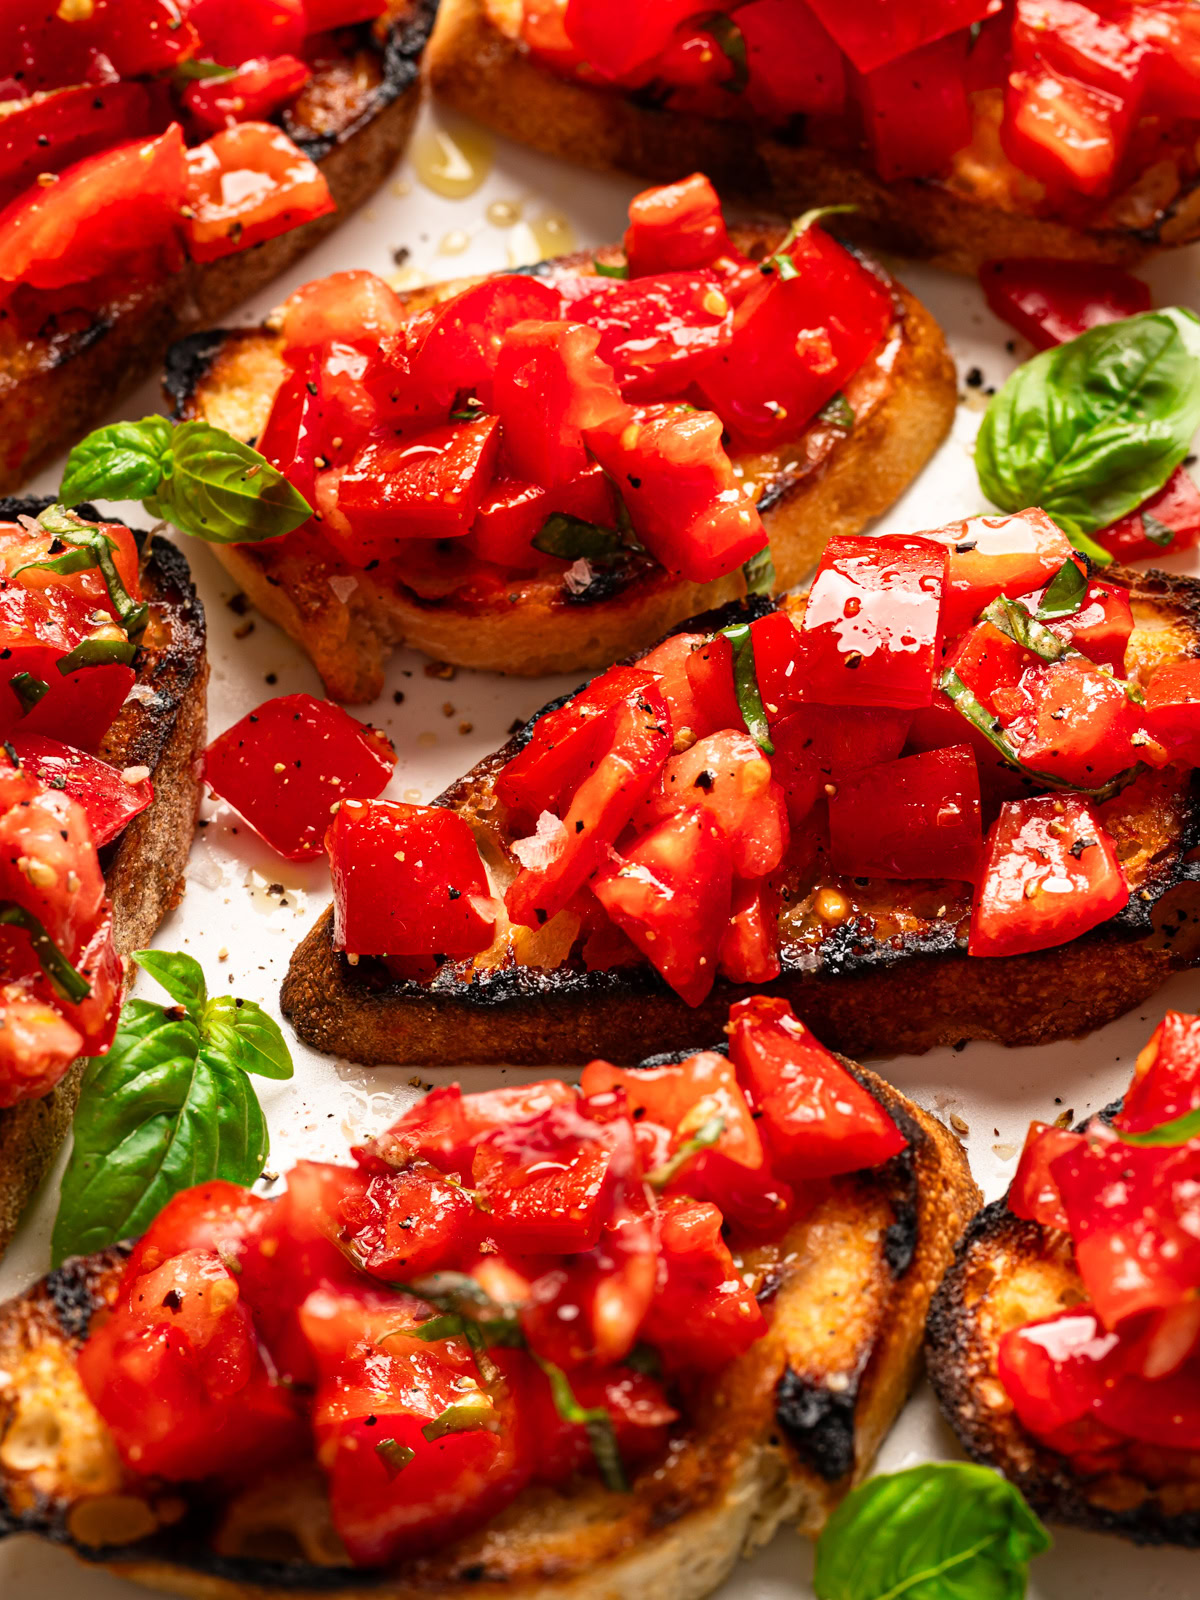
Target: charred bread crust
x=354, y=120
x=845, y=1333
x=825, y=484
x=477, y=70
x=867, y=996
x=144, y=868
x=1008, y=1271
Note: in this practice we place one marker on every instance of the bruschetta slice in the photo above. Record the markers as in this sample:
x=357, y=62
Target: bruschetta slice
x=1074, y=1376
x=708, y=1379
x=561, y=542
x=84, y=319
x=883, y=800
x=151, y=747
x=965, y=149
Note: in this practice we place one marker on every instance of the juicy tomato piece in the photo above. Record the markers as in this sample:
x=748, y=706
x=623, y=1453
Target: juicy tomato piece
x=989, y=663
x=636, y=1403
x=217, y=1217
x=512, y=513
x=675, y=228
x=696, y=682
x=816, y=1120
x=233, y=31
x=408, y=1223
x=1165, y=524
x=248, y=184
x=1078, y=40
x=872, y=626
x=656, y=333
x=1052, y=301
x=918, y=817
x=45, y=47
x=428, y=487
x=670, y=892
x=876, y=31
x=50, y=132
x=444, y=1127
x=1173, y=33
x=407, y=880
x=989, y=556
x=114, y=212
x=686, y=503
x=1074, y=722
x=635, y=741
x=1067, y=133
x=915, y=110
x=703, y=1315
x=1100, y=628
x=778, y=662
x=353, y=308
x=678, y=1099
x=294, y=429
x=176, y=1374
x=1166, y=1080
x=797, y=340
x=255, y=92
x=1173, y=710
x=819, y=745
x=750, y=944
x=285, y=766
x=1033, y=1193
x=37, y=1043
x=1051, y=873
x=940, y=726
x=615, y=36
x=728, y=776
x=549, y=386
x=794, y=65
x=109, y=800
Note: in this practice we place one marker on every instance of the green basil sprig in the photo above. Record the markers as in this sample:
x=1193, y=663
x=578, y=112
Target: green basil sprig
x=1092, y=428
x=169, y=1106
x=197, y=477
x=595, y=1420
x=745, y=683
x=940, y=1531
x=1167, y=1135
x=1064, y=594
x=66, y=981
x=88, y=547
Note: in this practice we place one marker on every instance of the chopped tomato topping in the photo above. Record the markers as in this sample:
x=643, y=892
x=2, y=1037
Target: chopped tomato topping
x=255, y=92
x=1033, y=1192
x=247, y=184
x=1166, y=1079
x=703, y=1313
x=675, y=228
x=728, y=776
x=990, y=556
x=915, y=109
x=1169, y=521
x=1053, y=301
x=657, y=333
x=109, y=799
x=918, y=817
x=550, y=385
x=426, y=487
x=238, y=30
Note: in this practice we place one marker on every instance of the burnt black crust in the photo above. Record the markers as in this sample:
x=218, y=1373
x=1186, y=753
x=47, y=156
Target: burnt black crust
x=819, y=1422
x=187, y=364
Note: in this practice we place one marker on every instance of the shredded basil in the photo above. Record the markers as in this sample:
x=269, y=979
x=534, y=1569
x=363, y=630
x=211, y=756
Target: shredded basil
x=732, y=45
x=745, y=683
x=837, y=412
x=759, y=572
x=1157, y=532
x=1014, y=620
x=1064, y=593
x=66, y=981
x=572, y=539
x=1167, y=1134
x=467, y=1416
x=703, y=1139
x=394, y=1455
x=96, y=653
x=604, y=270
x=203, y=70
x=89, y=548
x=595, y=1419
x=28, y=690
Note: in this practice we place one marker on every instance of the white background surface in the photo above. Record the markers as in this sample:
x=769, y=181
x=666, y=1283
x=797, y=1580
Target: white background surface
x=228, y=908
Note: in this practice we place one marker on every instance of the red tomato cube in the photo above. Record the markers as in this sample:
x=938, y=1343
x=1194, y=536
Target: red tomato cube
x=989, y=556
x=918, y=817
x=1075, y=722
x=427, y=487
x=794, y=65
x=703, y=1314
x=1033, y=1193
x=1143, y=535
x=915, y=110
x=1173, y=710
x=1166, y=1080
x=108, y=800
x=674, y=228
x=820, y=745
x=1052, y=301
x=656, y=333
x=750, y=944
x=727, y=775
x=549, y=386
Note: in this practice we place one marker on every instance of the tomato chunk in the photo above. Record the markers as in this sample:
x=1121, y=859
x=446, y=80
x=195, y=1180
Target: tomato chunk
x=750, y=944
x=818, y=745
x=918, y=817
x=794, y=65
x=1052, y=301
x=989, y=556
x=1033, y=1192
x=546, y=1181
x=696, y=682
x=550, y=385
x=1166, y=1081
x=703, y=1314
x=1067, y=133
x=875, y=31
x=728, y=776
x=677, y=1099
x=233, y=31
x=1167, y=522
x=675, y=228
x=108, y=800
x=1100, y=628
x=408, y=1223
x=1173, y=709
x=1074, y=722
x=1051, y=874
x=915, y=109
x=255, y=92
x=656, y=333
x=617, y=35
x=428, y=487
x=407, y=880
x=248, y=184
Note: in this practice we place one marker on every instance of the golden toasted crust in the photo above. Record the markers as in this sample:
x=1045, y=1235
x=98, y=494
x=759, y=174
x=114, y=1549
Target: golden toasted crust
x=478, y=70
x=354, y=119
x=825, y=484
x=893, y=976
x=1008, y=1272
x=144, y=868
x=779, y=1436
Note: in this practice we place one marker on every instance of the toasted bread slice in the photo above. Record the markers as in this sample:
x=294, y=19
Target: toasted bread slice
x=479, y=70
x=1007, y=1272
x=777, y=1437
x=893, y=976
x=826, y=483
x=163, y=729
x=353, y=119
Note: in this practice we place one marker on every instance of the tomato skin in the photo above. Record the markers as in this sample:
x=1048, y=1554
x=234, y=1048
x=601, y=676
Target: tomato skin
x=750, y=944
x=915, y=109
x=703, y=1315
x=355, y=308
x=615, y=36
x=872, y=627
x=778, y=663
x=727, y=776
x=427, y=487
x=1176, y=506
x=657, y=332
x=877, y=31
x=1033, y=1192
x=1067, y=133
x=1173, y=709
x=696, y=681
x=108, y=802
x=293, y=433
x=1052, y=301
x=989, y=556
x=217, y=1217
x=444, y=1127
x=670, y=892
x=247, y=184
x=675, y=228
x=918, y=817
x=637, y=1404
x=816, y=745
x=257, y=90
x=43, y=48
x=678, y=1097
x=512, y=513
x=1100, y=628
x=989, y=663
x=234, y=31
x=428, y=901
x=794, y=64
x=1069, y=719
x=408, y=1223
x=1035, y=892
x=816, y=1120
x=50, y=133
x=549, y=387
x=1166, y=1081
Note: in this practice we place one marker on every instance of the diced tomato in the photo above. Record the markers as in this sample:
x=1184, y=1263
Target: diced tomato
x=872, y=626
x=286, y=766
x=427, y=487
x=656, y=333
x=353, y=308
x=819, y=745
x=793, y=63
x=989, y=556
x=940, y=726
x=1053, y=1369
x=636, y=1403
x=696, y=682
x=750, y=944
x=679, y=1098
x=444, y=1126
x=1074, y=722
x=248, y=184
x=1172, y=30
x=549, y=387
x=176, y=1374
x=988, y=662
x=48, y=47
x=1173, y=710
x=217, y=1217
x=256, y=91
x=407, y=880
x=1051, y=874
x=727, y=775
x=512, y=513
x=915, y=110
x=1033, y=1192
x=676, y=228
x=816, y=1120
x=778, y=662
x=1143, y=534
x=50, y=132
x=918, y=817
x=233, y=31
x=1052, y=301
x=1166, y=1080
x=703, y=1315
x=874, y=31
x=1064, y=132
x=411, y=1222
x=687, y=504
x=616, y=36
x=670, y=892
x=1100, y=628
x=109, y=801
x=634, y=743
x=293, y=433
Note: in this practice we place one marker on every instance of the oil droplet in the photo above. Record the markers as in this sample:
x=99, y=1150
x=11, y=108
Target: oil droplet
x=274, y=899
x=408, y=278
x=454, y=243
x=553, y=233
x=504, y=213
x=413, y=796
x=453, y=162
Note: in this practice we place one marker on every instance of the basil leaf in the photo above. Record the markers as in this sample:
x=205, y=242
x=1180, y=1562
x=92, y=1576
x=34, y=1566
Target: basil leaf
x=571, y=538
x=594, y=1419
x=837, y=412
x=464, y=1417
x=66, y=981
x=1169, y=1134
x=193, y=70
x=705, y=1136
x=1064, y=593
x=745, y=683
x=1090, y=429
x=394, y=1455
x=603, y=270
x=88, y=548
x=180, y=975
x=759, y=572
x=101, y=652
x=120, y=462
x=941, y=1531
x=1014, y=619
x=28, y=690
x=1157, y=532
x=217, y=488
x=242, y=1033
